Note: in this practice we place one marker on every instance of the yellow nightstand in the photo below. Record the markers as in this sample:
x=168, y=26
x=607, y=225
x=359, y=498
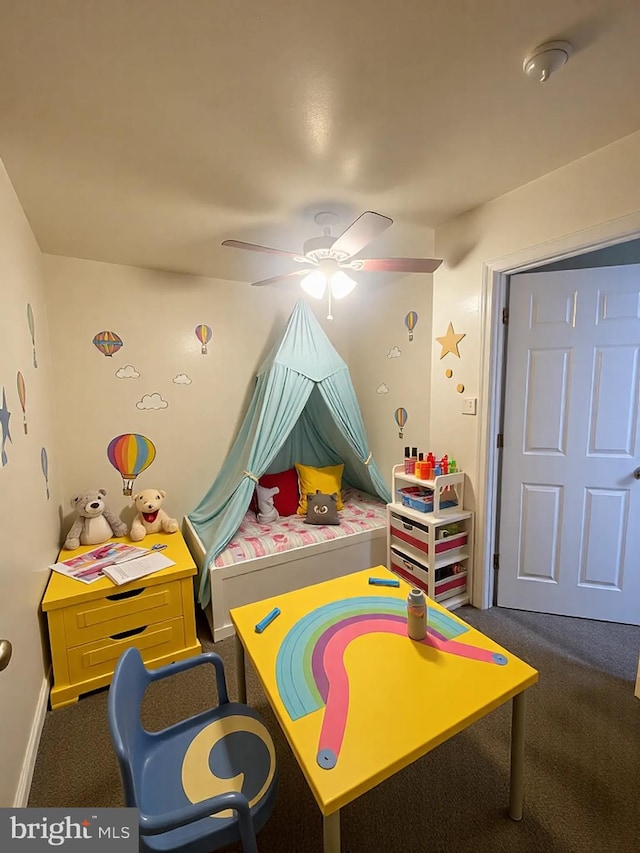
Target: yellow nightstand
x=90, y=625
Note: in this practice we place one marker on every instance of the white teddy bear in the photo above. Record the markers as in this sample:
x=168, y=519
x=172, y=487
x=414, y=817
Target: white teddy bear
x=267, y=513
x=150, y=518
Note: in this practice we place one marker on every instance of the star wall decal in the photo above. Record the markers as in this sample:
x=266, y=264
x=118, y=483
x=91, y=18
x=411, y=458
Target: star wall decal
x=5, y=415
x=450, y=341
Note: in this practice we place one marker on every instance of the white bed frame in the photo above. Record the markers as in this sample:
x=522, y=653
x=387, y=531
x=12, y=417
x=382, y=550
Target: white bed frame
x=264, y=577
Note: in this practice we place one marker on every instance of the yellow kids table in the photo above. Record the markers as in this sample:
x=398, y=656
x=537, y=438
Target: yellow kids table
x=358, y=700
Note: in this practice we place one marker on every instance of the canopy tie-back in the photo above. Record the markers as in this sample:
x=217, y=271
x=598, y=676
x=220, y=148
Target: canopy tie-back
x=251, y=476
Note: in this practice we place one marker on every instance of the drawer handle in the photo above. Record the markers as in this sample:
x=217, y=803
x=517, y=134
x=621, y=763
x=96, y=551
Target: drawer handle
x=408, y=565
x=128, y=594
x=130, y=633
x=407, y=526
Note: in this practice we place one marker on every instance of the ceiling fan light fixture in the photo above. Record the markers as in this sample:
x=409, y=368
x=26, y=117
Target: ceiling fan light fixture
x=341, y=284
x=314, y=284
x=330, y=256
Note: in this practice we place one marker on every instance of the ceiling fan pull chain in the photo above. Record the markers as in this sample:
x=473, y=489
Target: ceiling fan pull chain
x=329, y=315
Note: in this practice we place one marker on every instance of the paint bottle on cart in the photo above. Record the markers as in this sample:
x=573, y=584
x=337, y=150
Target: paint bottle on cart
x=417, y=614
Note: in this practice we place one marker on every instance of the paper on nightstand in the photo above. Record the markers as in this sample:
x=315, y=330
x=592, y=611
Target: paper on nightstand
x=87, y=567
x=133, y=569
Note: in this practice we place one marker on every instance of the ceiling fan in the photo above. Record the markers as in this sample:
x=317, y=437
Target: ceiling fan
x=328, y=259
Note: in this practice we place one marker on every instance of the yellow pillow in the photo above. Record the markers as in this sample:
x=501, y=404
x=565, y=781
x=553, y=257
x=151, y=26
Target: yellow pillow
x=311, y=480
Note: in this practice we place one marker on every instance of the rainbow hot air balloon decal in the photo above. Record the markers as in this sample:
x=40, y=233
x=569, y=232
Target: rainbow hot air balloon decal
x=44, y=461
x=130, y=454
x=32, y=329
x=107, y=342
x=401, y=419
x=410, y=322
x=203, y=334
x=22, y=394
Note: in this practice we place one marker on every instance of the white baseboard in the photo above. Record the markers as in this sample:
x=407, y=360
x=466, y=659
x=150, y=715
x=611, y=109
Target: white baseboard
x=24, y=784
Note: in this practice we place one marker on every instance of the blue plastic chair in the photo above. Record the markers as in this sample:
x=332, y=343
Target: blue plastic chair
x=202, y=783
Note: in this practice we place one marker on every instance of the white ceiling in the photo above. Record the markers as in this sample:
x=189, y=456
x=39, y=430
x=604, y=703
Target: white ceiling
x=147, y=131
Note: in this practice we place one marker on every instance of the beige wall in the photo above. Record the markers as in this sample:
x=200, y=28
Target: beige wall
x=597, y=189
x=155, y=314
x=29, y=519
x=377, y=332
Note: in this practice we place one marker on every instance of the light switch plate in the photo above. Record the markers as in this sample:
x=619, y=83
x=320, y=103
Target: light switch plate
x=469, y=405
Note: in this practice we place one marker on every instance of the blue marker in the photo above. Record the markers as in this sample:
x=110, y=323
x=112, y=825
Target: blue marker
x=383, y=582
x=268, y=619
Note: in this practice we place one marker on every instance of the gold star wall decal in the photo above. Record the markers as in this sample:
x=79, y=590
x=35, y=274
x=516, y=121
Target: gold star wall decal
x=450, y=341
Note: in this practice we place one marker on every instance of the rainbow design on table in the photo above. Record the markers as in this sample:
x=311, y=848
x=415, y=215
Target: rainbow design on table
x=310, y=670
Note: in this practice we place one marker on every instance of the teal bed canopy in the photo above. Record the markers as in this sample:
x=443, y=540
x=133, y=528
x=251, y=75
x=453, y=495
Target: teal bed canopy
x=304, y=409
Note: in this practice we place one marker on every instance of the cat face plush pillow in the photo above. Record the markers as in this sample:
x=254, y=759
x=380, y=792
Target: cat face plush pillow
x=322, y=509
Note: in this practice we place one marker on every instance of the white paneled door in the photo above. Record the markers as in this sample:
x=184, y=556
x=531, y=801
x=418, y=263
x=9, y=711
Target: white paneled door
x=570, y=505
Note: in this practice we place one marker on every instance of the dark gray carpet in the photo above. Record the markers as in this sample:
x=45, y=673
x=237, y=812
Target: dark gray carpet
x=582, y=791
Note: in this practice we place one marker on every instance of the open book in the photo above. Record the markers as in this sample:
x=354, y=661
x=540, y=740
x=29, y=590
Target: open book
x=131, y=570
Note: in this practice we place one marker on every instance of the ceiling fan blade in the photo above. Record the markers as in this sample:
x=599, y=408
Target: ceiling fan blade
x=366, y=228
x=278, y=278
x=399, y=264
x=253, y=247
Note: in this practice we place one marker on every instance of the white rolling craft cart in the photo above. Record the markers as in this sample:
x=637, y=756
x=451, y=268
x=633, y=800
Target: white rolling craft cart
x=431, y=549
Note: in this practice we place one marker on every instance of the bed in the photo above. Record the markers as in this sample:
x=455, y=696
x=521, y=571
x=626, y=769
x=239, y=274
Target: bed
x=262, y=561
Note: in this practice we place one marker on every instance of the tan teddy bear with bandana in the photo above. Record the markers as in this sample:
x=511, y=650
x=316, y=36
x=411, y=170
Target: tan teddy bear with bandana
x=151, y=518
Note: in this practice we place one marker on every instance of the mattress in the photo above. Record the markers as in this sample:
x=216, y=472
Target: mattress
x=361, y=512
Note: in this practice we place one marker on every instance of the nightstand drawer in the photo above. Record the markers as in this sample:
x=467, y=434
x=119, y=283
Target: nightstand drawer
x=121, y=611
x=93, y=660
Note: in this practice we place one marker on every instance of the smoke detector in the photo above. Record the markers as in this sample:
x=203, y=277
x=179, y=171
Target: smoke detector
x=547, y=58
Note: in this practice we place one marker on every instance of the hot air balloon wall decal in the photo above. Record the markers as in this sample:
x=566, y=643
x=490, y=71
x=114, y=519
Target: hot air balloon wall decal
x=5, y=416
x=107, y=343
x=22, y=395
x=130, y=454
x=410, y=322
x=203, y=334
x=32, y=330
x=401, y=419
x=44, y=462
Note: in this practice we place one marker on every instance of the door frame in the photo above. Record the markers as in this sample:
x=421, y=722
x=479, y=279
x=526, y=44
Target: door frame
x=493, y=298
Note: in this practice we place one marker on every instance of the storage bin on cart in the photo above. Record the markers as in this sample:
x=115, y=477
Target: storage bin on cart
x=421, y=499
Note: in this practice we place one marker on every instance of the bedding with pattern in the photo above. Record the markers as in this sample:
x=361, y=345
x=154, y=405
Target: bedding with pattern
x=361, y=512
